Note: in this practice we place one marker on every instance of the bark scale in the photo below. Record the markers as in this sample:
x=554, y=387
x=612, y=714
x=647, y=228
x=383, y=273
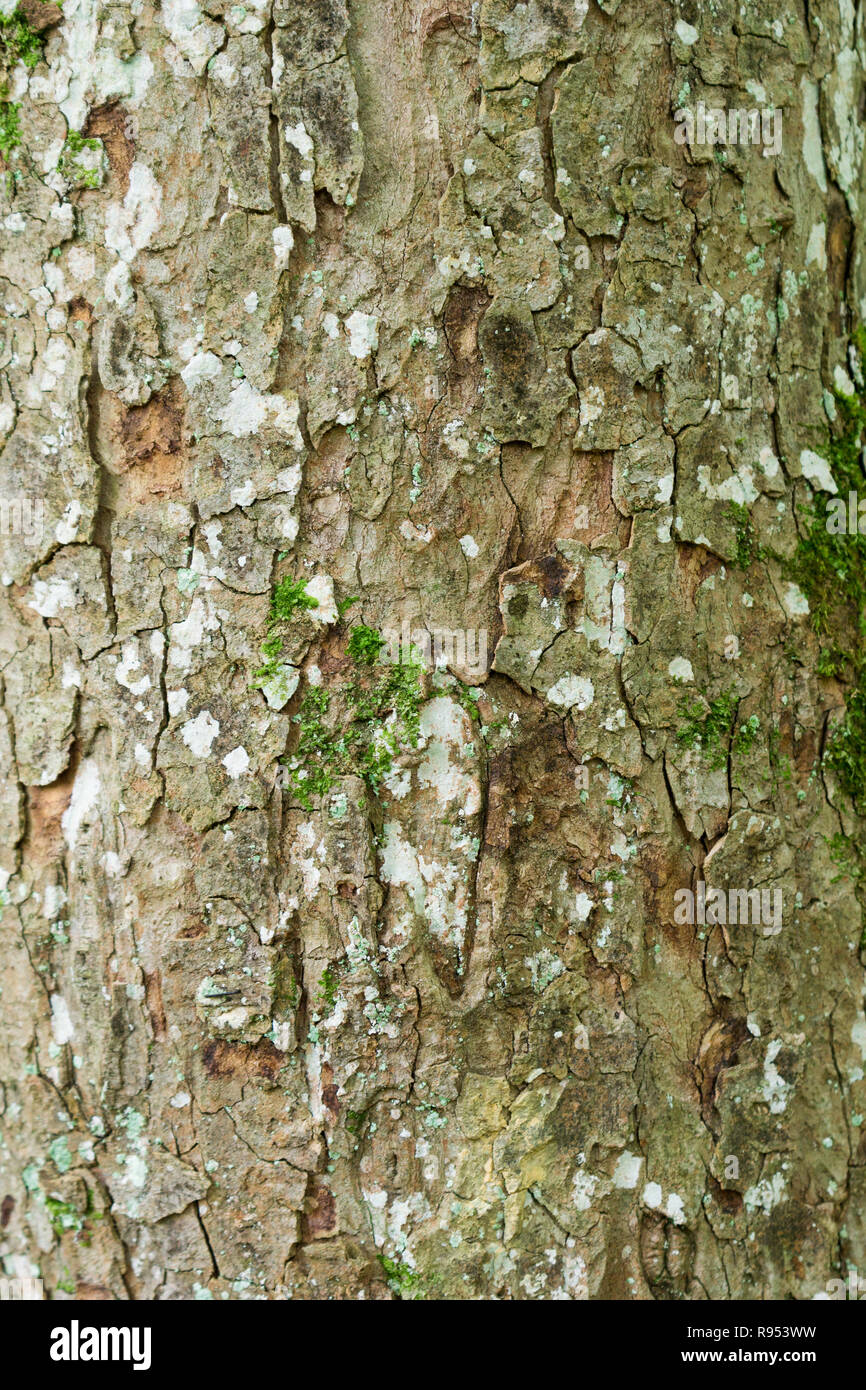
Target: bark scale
x=520, y=335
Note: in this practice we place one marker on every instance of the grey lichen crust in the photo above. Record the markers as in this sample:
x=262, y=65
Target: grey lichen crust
x=328, y=975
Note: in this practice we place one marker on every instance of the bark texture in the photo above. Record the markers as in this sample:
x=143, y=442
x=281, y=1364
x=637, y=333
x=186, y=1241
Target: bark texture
x=323, y=317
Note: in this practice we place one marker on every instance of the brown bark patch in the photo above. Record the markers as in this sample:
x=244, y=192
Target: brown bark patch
x=694, y=565
x=718, y=1050
x=92, y=1293
x=108, y=124
x=320, y=1219
x=153, y=434
x=46, y=806
x=153, y=996
x=143, y=446
x=81, y=312
x=497, y=826
x=730, y=1201
x=325, y=469
x=464, y=309
x=242, y=1059
x=40, y=15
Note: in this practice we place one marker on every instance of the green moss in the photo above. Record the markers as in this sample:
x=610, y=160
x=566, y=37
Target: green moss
x=397, y=690
x=329, y=987
x=346, y=603
x=76, y=142
x=312, y=769
x=846, y=753
x=358, y=728
x=849, y=858
x=289, y=595
x=402, y=1280
x=365, y=644
x=707, y=727
x=468, y=697
x=285, y=986
x=63, y=1216
x=18, y=42
x=744, y=532
x=75, y=169
x=831, y=571
x=10, y=127
x=621, y=791
x=780, y=763
x=747, y=733
x=271, y=649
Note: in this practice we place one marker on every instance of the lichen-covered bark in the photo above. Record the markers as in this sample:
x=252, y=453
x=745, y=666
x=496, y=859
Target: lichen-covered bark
x=335, y=316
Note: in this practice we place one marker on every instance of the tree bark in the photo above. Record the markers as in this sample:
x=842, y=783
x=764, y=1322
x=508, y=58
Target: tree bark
x=414, y=415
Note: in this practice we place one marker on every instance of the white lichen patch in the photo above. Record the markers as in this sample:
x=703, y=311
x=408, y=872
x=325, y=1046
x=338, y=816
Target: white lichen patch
x=817, y=470
x=363, y=331
x=195, y=37
x=188, y=634
x=738, y=487
x=583, y=1186
x=321, y=588
x=284, y=242
x=765, y=1195
x=627, y=1172
x=775, y=1088
x=795, y=601
x=813, y=153
x=686, y=33
x=247, y=411
x=128, y=664
x=51, y=596
x=62, y=1030
x=198, y=734
x=131, y=225
x=83, y=801
x=816, y=247
x=444, y=726
x=681, y=669
x=572, y=692
x=592, y=402
x=236, y=763
x=279, y=685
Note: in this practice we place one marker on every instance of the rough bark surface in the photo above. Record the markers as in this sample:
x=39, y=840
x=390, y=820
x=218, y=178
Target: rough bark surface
x=325, y=316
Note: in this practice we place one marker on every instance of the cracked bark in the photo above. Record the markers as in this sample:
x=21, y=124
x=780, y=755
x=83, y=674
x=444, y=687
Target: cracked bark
x=391, y=298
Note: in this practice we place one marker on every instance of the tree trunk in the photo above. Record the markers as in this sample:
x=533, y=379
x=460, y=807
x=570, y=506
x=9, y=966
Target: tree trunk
x=420, y=422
